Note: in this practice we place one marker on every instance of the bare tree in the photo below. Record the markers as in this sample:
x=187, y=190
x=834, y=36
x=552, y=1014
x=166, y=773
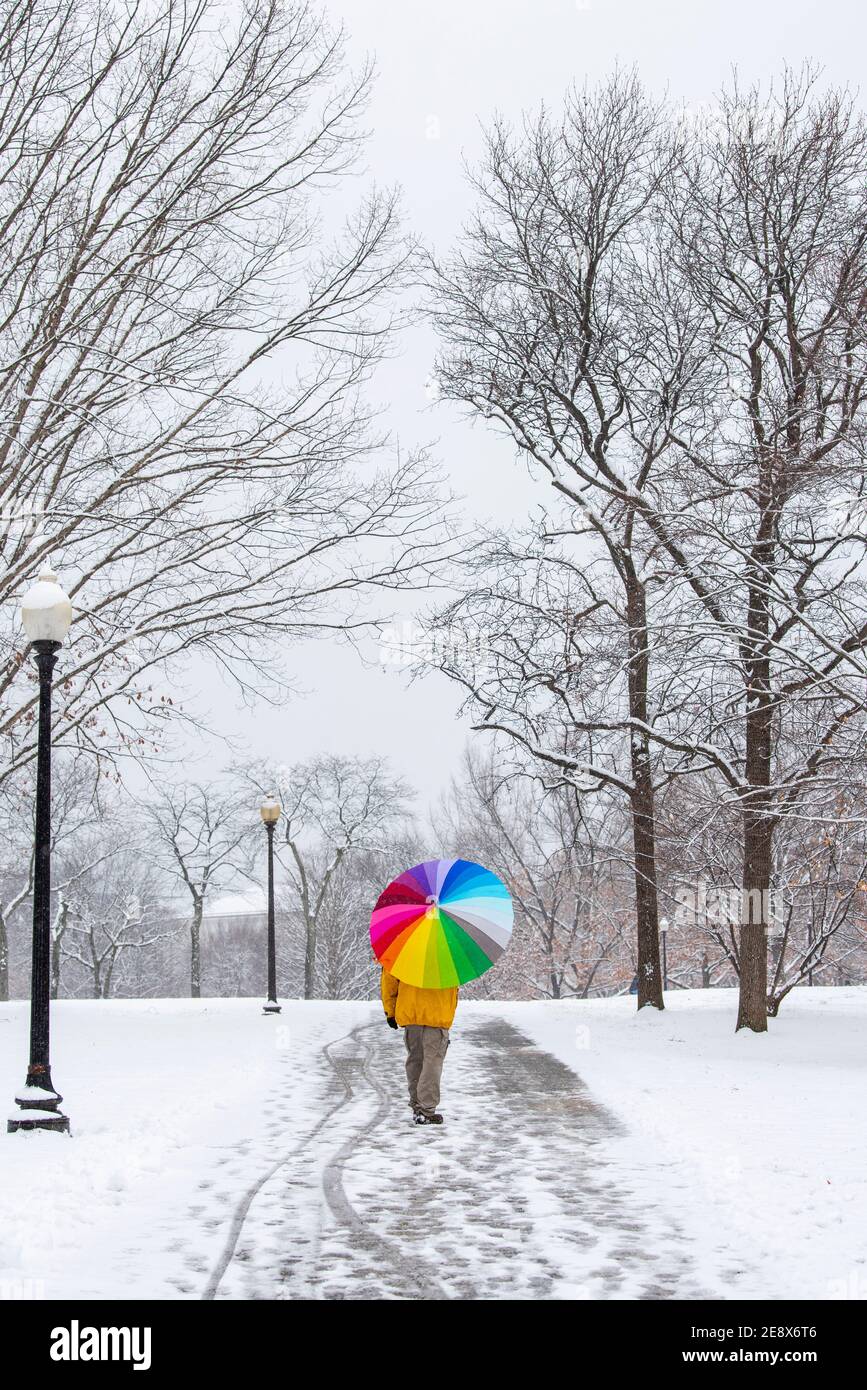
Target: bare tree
x=204, y=842
x=820, y=885
x=74, y=895
x=77, y=806
x=333, y=807
x=345, y=965
x=677, y=341
x=184, y=337
x=770, y=242
x=557, y=868
x=549, y=333
x=110, y=915
x=17, y=889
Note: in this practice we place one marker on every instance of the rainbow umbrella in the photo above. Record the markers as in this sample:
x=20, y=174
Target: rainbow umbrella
x=442, y=923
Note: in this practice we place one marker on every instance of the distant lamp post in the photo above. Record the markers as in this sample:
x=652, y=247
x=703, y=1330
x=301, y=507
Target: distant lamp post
x=270, y=813
x=46, y=613
x=663, y=927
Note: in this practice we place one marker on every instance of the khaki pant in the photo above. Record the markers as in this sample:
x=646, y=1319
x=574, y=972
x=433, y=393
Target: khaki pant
x=425, y=1054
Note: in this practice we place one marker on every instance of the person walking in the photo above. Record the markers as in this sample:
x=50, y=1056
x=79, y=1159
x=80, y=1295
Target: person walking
x=425, y=1015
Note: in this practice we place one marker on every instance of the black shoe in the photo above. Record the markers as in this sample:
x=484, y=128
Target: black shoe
x=421, y=1118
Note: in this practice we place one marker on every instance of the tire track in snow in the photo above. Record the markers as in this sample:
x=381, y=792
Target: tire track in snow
x=242, y=1208
x=418, y=1279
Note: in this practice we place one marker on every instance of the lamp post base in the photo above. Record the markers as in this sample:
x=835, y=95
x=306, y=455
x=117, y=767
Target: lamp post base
x=271, y=1007
x=38, y=1119
x=39, y=1110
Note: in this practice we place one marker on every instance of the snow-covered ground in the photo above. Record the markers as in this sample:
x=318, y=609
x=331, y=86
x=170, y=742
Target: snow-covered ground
x=756, y=1144
x=588, y=1152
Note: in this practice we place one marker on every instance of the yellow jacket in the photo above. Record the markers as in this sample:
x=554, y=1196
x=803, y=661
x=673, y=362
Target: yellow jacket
x=432, y=1008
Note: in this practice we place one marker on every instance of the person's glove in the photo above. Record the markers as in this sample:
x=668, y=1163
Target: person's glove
x=392, y=1022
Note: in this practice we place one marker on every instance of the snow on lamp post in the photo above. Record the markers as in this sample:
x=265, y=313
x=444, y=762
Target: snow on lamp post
x=270, y=813
x=663, y=927
x=46, y=613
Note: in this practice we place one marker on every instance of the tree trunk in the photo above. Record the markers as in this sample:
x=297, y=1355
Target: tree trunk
x=56, y=942
x=642, y=805
x=753, y=955
x=4, y=961
x=196, y=951
x=310, y=958
x=757, y=825
x=55, y=967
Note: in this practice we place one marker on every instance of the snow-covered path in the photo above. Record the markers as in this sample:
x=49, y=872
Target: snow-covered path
x=588, y=1152
x=513, y=1198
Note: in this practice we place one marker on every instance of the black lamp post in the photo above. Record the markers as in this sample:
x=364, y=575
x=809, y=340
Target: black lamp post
x=270, y=813
x=663, y=927
x=46, y=614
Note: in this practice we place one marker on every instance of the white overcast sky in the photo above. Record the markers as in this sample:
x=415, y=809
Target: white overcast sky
x=442, y=69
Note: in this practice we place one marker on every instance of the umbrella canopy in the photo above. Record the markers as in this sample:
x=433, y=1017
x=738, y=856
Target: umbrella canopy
x=442, y=923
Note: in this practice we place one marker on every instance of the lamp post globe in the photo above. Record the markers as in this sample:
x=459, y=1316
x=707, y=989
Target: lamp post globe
x=270, y=813
x=46, y=614
x=46, y=611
